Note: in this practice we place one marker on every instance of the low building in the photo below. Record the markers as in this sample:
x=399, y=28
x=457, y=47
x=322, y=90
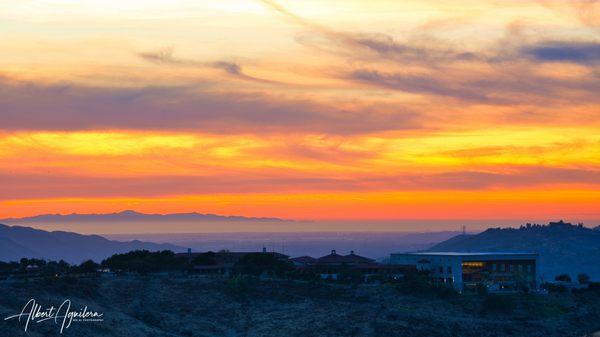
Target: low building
x=334, y=265
x=469, y=271
x=331, y=265
x=220, y=263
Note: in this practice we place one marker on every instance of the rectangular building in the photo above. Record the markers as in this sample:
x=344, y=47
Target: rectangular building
x=468, y=271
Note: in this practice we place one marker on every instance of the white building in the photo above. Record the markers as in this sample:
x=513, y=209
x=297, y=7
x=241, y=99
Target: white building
x=495, y=271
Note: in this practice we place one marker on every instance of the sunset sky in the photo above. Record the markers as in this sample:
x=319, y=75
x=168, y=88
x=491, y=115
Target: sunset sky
x=323, y=110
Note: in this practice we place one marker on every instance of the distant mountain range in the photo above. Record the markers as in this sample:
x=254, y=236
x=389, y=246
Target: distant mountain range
x=131, y=216
x=563, y=247
x=17, y=242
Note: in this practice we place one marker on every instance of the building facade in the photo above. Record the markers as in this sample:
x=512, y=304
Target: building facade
x=469, y=271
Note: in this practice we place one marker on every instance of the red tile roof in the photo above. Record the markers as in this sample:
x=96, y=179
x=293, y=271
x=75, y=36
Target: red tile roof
x=335, y=258
x=359, y=259
x=303, y=259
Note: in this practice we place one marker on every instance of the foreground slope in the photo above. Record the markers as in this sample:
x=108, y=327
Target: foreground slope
x=153, y=306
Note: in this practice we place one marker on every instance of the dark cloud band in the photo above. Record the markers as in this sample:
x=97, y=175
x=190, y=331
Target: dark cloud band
x=562, y=51
x=28, y=106
x=23, y=186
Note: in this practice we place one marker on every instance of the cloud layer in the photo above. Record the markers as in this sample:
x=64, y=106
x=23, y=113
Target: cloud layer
x=27, y=106
x=364, y=109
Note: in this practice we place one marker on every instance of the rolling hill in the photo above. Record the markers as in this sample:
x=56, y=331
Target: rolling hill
x=17, y=242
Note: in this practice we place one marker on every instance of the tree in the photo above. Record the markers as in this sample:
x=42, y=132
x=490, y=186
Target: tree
x=205, y=259
x=54, y=268
x=259, y=263
x=143, y=261
x=563, y=278
x=88, y=266
x=583, y=278
x=33, y=262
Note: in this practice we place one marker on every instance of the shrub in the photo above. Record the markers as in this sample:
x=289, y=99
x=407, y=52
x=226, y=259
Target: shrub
x=73, y=286
x=493, y=303
x=583, y=278
x=351, y=276
x=563, y=278
x=555, y=288
x=482, y=289
x=445, y=292
x=415, y=283
x=240, y=285
x=594, y=286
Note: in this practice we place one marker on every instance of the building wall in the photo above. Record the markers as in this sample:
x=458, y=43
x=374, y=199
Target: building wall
x=442, y=268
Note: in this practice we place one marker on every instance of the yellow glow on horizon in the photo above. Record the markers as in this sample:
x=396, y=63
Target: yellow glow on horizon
x=442, y=204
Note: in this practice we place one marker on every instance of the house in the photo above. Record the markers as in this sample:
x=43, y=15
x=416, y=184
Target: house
x=333, y=265
x=330, y=266
x=469, y=271
x=220, y=263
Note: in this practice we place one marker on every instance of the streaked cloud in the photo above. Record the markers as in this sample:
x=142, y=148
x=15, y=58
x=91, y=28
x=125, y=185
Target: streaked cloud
x=375, y=44
x=500, y=86
x=165, y=57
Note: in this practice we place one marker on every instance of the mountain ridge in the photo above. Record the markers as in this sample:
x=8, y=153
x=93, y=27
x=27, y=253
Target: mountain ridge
x=131, y=215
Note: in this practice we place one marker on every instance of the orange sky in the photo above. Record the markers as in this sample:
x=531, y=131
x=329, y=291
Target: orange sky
x=327, y=110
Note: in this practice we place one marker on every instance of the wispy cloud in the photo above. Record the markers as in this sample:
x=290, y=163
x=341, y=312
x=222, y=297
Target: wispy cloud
x=510, y=85
x=166, y=56
x=377, y=44
x=503, y=74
